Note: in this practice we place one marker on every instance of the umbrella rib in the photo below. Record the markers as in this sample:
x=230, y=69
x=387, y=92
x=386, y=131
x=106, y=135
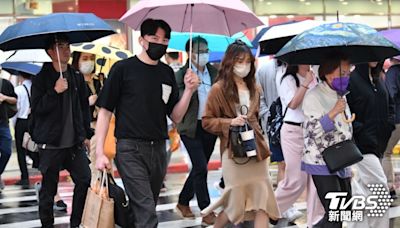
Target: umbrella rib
x=184, y=15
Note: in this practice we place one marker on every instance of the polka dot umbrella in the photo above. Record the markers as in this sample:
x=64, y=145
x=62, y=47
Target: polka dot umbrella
x=104, y=53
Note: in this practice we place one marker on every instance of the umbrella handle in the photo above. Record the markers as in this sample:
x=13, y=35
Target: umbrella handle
x=351, y=119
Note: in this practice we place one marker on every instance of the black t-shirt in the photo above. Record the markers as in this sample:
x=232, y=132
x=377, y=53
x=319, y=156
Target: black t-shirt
x=7, y=89
x=142, y=95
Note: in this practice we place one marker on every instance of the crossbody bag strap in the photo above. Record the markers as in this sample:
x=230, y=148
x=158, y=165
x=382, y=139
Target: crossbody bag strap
x=27, y=92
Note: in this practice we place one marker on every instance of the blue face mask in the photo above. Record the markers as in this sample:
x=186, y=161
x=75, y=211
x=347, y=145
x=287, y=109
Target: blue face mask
x=340, y=84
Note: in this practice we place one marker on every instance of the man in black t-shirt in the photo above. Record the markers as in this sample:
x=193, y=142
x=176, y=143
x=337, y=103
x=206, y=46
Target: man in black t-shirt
x=142, y=91
x=7, y=97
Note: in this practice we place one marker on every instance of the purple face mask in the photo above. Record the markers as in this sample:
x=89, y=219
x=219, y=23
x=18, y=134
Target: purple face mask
x=340, y=84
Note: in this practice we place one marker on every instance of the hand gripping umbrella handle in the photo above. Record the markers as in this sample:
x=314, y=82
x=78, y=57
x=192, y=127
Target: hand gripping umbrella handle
x=351, y=119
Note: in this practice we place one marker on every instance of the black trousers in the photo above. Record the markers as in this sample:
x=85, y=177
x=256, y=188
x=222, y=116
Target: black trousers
x=324, y=185
x=21, y=126
x=142, y=167
x=51, y=161
x=200, y=149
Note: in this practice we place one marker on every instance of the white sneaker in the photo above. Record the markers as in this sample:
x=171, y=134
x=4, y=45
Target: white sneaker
x=29, y=161
x=292, y=214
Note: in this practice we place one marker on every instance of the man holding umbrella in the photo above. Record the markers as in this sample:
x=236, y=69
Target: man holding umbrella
x=142, y=90
x=61, y=124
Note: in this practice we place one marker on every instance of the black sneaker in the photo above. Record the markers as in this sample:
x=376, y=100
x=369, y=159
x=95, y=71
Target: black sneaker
x=60, y=206
x=24, y=183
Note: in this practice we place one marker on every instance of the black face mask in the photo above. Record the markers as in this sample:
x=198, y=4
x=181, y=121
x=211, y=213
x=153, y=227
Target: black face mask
x=156, y=51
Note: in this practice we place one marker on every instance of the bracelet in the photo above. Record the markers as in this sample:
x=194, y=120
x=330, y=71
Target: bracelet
x=304, y=86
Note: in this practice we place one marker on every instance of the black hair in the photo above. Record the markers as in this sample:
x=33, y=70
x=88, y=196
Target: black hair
x=56, y=38
x=76, y=55
x=25, y=75
x=195, y=41
x=330, y=63
x=292, y=70
x=173, y=55
x=150, y=26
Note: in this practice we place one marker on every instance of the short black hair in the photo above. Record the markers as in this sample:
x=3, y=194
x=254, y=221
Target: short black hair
x=150, y=26
x=173, y=55
x=195, y=40
x=25, y=75
x=53, y=39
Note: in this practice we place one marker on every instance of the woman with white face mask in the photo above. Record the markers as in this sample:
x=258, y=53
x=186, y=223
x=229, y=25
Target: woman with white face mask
x=248, y=193
x=85, y=63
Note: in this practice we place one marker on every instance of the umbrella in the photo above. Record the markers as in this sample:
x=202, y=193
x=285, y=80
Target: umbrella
x=217, y=56
x=15, y=67
x=275, y=37
x=26, y=55
x=35, y=32
x=392, y=35
x=216, y=43
x=359, y=42
x=104, y=51
x=206, y=16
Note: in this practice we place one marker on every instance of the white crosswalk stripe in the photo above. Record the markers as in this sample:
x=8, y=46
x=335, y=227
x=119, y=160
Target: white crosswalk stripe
x=18, y=207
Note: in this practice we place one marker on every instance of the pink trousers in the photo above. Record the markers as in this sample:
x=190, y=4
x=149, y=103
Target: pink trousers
x=295, y=180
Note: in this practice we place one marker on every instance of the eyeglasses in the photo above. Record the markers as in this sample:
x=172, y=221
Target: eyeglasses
x=202, y=51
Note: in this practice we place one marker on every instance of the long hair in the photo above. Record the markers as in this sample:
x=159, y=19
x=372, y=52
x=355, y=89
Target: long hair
x=225, y=73
x=292, y=70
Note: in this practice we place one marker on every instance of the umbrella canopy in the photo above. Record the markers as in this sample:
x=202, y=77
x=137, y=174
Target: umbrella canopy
x=207, y=16
x=392, y=35
x=216, y=43
x=278, y=35
x=359, y=42
x=15, y=67
x=35, y=32
x=26, y=55
x=103, y=51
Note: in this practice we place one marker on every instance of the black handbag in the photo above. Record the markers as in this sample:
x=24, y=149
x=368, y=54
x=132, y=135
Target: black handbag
x=341, y=155
x=237, y=147
x=121, y=205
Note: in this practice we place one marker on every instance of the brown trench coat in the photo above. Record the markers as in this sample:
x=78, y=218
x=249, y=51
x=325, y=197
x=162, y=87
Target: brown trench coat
x=219, y=113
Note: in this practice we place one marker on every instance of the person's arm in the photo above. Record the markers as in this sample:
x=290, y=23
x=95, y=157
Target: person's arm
x=103, y=122
x=43, y=100
x=301, y=91
x=392, y=82
x=84, y=101
x=191, y=81
x=8, y=94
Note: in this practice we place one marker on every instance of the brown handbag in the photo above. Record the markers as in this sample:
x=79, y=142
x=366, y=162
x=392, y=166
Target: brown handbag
x=99, y=207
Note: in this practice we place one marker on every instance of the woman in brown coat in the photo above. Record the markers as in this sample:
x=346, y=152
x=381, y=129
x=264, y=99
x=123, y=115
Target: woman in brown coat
x=248, y=193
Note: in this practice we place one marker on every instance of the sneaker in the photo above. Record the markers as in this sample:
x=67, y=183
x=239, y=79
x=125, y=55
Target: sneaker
x=163, y=187
x=184, y=211
x=208, y=220
x=60, y=206
x=218, y=187
x=24, y=183
x=393, y=194
x=292, y=214
x=2, y=185
x=29, y=161
x=37, y=186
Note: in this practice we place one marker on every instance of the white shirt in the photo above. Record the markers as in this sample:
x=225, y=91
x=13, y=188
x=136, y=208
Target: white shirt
x=23, y=99
x=287, y=89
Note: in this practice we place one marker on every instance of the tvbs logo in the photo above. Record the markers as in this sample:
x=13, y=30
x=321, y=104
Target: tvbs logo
x=374, y=205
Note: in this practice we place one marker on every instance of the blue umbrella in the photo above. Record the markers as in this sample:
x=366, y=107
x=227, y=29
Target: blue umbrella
x=218, y=56
x=359, y=42
x=216, y=43
x=15, y=67
x=35, y=32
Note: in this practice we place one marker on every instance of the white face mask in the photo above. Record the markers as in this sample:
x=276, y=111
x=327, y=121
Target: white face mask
x=241, y=69
x=203, y=59
x=86, y=67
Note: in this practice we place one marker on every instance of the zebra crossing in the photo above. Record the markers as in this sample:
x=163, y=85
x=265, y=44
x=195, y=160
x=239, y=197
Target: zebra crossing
x=19, y=207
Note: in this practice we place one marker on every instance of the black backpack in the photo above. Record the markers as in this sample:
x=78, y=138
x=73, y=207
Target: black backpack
x=275, y=121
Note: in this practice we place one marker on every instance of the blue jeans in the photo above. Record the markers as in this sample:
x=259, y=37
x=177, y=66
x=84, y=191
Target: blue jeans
x=5, y=146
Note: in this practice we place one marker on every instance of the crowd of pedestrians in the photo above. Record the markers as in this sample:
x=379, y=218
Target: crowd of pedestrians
x=67, y=110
